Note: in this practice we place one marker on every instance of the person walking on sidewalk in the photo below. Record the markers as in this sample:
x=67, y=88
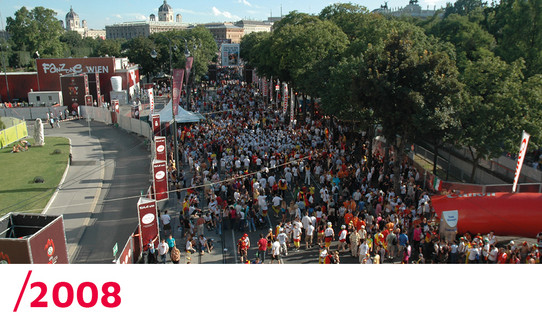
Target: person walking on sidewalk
x=275, y=252
x=175, y=255
x=262, y=247
x=163, y=250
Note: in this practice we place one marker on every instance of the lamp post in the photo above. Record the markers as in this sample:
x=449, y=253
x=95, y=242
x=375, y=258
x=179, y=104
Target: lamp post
x=154, y=54
x=5, y=72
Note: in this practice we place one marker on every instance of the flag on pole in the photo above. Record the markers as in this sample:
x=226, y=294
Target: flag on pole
x=522, y=150
x=189, y=63
x=437, y=184
x=178, y=75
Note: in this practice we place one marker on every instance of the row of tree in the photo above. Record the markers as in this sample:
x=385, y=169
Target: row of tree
x=38, y=30
x=443, y=80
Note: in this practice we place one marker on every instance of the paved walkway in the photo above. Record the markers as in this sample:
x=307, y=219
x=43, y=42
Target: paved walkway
x=77, y=196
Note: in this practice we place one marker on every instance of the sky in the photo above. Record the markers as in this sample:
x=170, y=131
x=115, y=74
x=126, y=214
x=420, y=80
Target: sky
x=99, y=13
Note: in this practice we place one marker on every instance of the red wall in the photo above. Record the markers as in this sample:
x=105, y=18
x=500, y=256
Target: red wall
x=19, y=85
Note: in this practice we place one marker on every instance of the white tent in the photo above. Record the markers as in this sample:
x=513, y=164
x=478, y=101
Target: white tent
x=183, y=116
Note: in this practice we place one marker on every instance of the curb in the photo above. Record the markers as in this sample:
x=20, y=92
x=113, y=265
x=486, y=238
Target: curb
x=53, y=197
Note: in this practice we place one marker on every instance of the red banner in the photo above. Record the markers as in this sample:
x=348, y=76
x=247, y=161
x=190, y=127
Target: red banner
x=178, y=75
x=507, y=214
x=150, y=93
x=156, y=124
x=189, y=64
x=265, y=88
x=127, y=254
x=159, y=170
x=148, y=222
x=284, y=97
x=49, y=244
x=160, y=148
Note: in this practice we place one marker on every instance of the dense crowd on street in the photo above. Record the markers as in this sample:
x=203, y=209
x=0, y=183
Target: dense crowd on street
x=322, y=183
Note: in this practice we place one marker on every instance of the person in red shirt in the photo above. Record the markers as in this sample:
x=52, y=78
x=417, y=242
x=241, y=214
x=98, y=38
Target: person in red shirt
x=502, y=256
x=242, y=249
x=262, y=247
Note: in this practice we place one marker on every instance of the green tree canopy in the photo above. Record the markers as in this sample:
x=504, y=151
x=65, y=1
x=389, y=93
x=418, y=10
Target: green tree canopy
x=36, y=30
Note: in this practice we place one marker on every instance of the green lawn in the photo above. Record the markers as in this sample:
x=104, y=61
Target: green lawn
x=18, y=192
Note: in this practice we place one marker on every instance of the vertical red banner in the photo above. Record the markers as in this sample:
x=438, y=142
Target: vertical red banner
x=178, y=75
x=188, y=67
x=160, y=148
x=284, y=97
x=265, y=88
x=159, y=170
x=156, y=124
x=148, y=222
x=150, y=93
x=98, y=91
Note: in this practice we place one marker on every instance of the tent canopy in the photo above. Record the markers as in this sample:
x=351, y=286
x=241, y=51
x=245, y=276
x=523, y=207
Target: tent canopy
x=183, y=116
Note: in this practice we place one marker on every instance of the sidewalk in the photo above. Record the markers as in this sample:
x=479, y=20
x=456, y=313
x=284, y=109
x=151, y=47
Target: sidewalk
x=78, y=194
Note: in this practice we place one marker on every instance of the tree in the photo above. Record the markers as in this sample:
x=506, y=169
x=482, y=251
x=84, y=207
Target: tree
x=521, y=31
x=36, y=30
x=405, y=81
x=138, y=50
x=470, y=40
x=464, y=7
x=494, y=114
x=108, y=47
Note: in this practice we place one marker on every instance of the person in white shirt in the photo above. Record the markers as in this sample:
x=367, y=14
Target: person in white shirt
x=329, y=234
x=282, y=237
x=493, y=254
x=342, y=238
x=275, y=252
x=296, y=236
x=309, y=231
x=166, y=222
x=163, y=249
x=363, y=250
x=306, y=221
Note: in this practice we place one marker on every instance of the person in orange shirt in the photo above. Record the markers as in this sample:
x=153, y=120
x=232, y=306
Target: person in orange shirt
x=348, y=218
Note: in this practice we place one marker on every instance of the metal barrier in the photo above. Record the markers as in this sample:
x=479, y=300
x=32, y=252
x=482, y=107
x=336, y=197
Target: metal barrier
x=140, y=127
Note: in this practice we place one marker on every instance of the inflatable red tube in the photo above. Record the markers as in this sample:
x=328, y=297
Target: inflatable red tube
x=507, y=214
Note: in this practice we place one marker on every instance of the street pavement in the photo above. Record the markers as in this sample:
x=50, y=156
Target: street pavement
x=98, y=197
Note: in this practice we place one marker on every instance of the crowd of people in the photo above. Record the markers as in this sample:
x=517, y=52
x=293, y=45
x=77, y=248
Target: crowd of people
x=319, y=180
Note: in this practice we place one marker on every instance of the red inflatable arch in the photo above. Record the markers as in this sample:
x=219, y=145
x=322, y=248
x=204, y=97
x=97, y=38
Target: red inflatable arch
x=507, y=214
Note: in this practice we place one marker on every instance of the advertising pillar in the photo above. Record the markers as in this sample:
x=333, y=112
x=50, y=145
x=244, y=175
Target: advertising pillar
x=160, y=148
x=156, y=124
x=159, y=170
x=148, y=222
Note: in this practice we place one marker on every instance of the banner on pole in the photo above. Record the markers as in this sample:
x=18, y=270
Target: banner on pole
x=188, y=67
x=284, y=97
x=178, y=75
x=265, y=88
x=148, y=222
x=156, y=124
x=160, y=148
x=522, y=150
x=150, y=93
x=159, y=172
x=292, y=107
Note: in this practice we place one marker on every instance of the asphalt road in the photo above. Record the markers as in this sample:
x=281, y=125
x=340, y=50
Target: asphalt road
x=126, y=163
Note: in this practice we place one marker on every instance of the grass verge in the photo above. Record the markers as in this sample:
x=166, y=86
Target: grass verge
x=18, y=192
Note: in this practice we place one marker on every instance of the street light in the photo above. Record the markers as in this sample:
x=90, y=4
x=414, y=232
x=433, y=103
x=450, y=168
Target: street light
x=5, y=72
x=154, y=55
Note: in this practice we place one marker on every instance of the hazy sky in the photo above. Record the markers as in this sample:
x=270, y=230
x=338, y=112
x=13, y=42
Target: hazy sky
x=100, y=13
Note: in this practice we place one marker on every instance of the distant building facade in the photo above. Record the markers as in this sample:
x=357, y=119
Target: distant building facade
x=225, y=32
x=254, y=26
x=413, y=9
x=130, y=30
x=73, y=24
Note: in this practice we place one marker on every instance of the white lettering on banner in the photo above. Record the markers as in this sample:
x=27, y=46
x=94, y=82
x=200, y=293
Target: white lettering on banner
x=148, y=206
x=61, y=68
x=471, y=195
x=451, y=217
x=78, y=68
x=98, y=69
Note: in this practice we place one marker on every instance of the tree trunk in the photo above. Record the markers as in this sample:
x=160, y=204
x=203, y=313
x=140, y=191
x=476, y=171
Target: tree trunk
x=370, y=137
x=397, y=166
x=474, y=164
x=435, y=158
x=386, y=159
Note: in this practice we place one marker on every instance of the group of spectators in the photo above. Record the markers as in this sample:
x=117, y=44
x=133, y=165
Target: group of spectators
x=320, y=180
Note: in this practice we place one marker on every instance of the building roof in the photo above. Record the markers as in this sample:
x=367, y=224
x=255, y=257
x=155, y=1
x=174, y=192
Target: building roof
x=165, y=7
x=71, y=14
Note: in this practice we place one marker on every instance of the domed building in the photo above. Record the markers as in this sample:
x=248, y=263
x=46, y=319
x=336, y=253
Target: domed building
x=73, y=24
x=165, y=12
x=164, y=22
